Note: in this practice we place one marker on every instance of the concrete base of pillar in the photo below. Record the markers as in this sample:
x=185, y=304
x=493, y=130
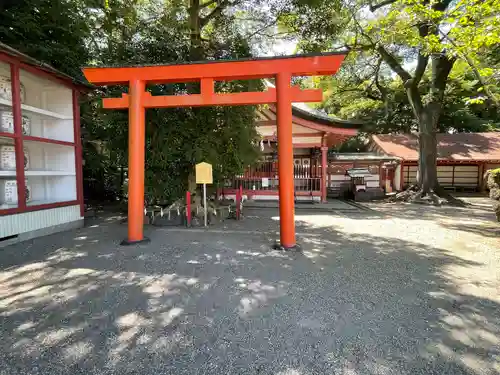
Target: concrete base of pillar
x=130, y=243
x=296, y=248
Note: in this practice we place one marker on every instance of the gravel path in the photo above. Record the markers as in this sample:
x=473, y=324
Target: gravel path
x=394, y=290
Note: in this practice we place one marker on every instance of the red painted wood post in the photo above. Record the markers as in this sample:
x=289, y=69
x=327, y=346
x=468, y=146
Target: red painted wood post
x=285, y=160
x=78, y=152
x=402, y=179
x=324, y=164
x=238, y=200
x=241, y=200
x=136, y=159
x=188, y=208
x=18, y=132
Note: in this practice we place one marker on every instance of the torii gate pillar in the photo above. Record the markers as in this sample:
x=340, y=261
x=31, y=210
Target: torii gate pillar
x=285, y=161
x=136, y=163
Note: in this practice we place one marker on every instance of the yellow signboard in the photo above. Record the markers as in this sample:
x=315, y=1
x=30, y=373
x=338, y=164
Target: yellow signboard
x=204, y=173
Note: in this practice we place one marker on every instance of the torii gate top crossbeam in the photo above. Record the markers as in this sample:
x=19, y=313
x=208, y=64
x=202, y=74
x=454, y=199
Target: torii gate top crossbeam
x=253, y=68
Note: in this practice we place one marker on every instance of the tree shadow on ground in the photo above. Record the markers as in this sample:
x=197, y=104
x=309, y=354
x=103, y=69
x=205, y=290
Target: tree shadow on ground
x=223, y=302
x=470, y=219
x=488, y=229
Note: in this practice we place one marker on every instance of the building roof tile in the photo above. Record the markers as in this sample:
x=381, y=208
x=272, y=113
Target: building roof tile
x=458, y=146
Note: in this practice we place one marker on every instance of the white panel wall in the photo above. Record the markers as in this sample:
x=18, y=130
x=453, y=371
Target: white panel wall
x=296, y=140
x=50, y=189
x=463, y=175
x=302, y=129
x=412, y=174
x=266, y=130
x=45, y=127
x=372, y=181
x=51, y=157
x=46, y=94
x=11, y=225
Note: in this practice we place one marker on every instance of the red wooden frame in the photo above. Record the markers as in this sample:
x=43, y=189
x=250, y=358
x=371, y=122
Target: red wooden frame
x=36, y=71
x=222, y=70
x=208, y=97
x=16, y=65
x=78, y=152
x=7, y=135
x=315, y=126
x=18, y=131
x=307, y=145
x=311, y=193
x=295, y=135
x=47, y=140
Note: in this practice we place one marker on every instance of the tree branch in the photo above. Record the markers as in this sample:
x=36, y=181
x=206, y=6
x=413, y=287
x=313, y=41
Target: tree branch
x=208, y=3
x=412, y=92
x=474, y=69
x=214, y=13
x=382, y=89
x=394, y=64
x=423, y=60
x=441, y=68
x=386, y=55
x=382, y=4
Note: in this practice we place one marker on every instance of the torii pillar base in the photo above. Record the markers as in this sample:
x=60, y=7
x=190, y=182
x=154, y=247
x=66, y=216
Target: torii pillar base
x=131, y=243
x=296, y=248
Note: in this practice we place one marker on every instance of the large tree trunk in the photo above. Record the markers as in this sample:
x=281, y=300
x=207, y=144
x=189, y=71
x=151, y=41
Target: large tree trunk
x=428, y=124
x=195, y=47
x=427, y=112
x=427, y=147
x=427, y=173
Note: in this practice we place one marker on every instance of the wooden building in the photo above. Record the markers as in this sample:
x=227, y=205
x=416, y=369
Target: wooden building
x=313, y=134
x=378, y=177
x=40, y=149
x=463, y=158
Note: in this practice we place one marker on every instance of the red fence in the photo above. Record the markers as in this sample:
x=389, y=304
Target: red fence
x=264, y=176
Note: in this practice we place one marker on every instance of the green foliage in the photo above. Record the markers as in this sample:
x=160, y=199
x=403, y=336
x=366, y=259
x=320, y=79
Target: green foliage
x=493, y=182
x=72, y=33
x=385, y=42
x=49, y=30
x=353, y=94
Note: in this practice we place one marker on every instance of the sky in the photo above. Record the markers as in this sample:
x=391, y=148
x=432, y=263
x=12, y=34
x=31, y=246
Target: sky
x=282, y=47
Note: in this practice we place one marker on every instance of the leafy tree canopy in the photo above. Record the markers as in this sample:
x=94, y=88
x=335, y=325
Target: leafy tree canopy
x=72, y=33
x=423, y=65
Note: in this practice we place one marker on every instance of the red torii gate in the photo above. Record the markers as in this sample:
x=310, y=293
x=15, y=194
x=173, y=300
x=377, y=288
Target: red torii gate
x=206, y=72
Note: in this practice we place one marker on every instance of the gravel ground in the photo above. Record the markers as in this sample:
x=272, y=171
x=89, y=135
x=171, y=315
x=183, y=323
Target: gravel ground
x=393, y=290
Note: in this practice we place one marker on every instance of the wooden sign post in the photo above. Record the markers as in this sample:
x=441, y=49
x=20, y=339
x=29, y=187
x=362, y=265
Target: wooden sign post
x=204, y=176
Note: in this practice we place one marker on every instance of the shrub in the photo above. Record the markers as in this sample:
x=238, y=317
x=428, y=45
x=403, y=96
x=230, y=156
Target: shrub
x=496, y=208
x=493, y=182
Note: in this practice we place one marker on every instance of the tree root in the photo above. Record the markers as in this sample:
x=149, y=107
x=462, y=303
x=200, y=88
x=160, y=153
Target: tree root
x=436, y=197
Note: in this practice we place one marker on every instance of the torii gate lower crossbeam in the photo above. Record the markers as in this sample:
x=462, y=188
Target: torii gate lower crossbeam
x=138, y=99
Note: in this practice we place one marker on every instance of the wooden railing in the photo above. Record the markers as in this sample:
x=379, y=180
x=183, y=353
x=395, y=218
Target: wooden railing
x=264, y=176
